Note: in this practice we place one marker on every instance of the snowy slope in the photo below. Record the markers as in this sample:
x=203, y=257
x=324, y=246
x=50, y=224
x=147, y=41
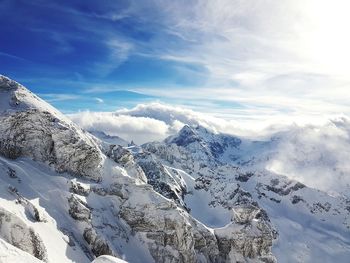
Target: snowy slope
x=9, y=253
x=36, y=185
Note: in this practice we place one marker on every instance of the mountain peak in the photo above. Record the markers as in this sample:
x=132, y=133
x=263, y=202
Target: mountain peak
x=30, y=127
x=7, y=84
x=187, y=129
x=14, y=97
x=185, y=136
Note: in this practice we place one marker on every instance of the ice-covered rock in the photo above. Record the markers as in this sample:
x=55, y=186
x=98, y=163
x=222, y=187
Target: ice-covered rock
x=78, y=209
x=10, y=253
x=99, y=246
x=14, y=231
x=169, y=232
x=29, y=127
x=125, y=158
x=165, y=183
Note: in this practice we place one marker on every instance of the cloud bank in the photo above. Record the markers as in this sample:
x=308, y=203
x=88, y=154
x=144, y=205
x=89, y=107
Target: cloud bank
x=315, y=154
x=138, y=129
x=156, y=121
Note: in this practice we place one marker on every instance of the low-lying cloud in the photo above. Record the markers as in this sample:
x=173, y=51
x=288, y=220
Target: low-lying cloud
x=314, y=154
x=139, y=129
x=153, y=121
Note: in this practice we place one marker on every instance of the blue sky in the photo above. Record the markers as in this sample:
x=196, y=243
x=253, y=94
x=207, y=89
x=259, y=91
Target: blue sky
x=76, y=55
x=231, y=58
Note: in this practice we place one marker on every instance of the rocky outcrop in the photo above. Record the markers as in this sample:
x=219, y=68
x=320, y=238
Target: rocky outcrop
x=250, y=235
x=40, y=136
x=201, y=140
x=237, y=246
x=170, y=233
x=79, y=188
x=14, y=231
x=78, y=209
x=31, y=128
x=165, y=183
x=125, y=158
x=98, y=245
x=31, y=210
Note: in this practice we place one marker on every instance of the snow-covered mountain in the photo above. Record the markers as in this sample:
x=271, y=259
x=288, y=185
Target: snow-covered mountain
x=222, y=170
x=71, y=196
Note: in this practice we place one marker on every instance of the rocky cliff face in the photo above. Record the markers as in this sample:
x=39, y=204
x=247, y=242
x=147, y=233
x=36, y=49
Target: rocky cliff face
x=172, y=187
x=31, y=128
x=16, y=232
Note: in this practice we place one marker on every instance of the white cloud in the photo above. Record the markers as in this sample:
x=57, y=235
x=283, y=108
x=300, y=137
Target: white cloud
x=99, y=100
x=156, y=121
x=148, y=122
x=119, y=50
x=176, y=117
x=316, y=154
x=55, y=97
x=139, y=129
x=293, y=53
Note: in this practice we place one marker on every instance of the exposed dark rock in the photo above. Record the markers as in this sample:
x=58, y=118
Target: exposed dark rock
x=98, y=245
x=11, y=173
x=78, y=188
x=296, y=199
x=244, y=177
x=78, y=210
x=162, y=181
x=275, y=200
x=39, y=250
x=14, y=231
x=284, y=190
x=319, y=207
x=185, y=137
